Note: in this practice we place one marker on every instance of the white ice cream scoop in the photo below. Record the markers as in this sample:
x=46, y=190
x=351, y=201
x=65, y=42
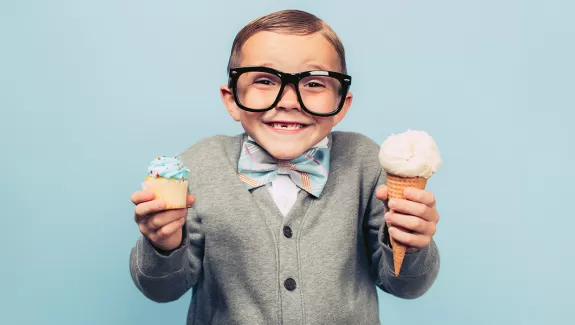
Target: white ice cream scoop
x=410, y=154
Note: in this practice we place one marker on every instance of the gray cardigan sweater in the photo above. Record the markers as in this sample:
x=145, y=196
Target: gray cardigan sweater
x=247, y=264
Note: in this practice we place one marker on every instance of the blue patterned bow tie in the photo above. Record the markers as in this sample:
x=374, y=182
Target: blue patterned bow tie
x=309, y=171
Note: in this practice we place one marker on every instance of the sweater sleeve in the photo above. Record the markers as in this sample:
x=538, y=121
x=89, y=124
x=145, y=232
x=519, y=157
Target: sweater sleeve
x=419, y=269
x=166, y=276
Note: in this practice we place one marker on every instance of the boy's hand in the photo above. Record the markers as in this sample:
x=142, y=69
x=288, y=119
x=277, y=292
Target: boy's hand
x=162, y=227
x=412, y=221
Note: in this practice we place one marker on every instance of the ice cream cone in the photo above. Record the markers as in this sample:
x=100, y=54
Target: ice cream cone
x=395, y=188
x=409, y=159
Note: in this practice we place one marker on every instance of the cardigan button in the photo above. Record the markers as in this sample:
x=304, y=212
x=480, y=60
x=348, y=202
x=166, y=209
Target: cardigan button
x=288, y=232
x=290, y=284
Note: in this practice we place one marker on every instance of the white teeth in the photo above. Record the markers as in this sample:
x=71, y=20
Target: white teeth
x=283, y=126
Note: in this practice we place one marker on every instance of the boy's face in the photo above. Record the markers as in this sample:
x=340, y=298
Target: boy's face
x=291, y=54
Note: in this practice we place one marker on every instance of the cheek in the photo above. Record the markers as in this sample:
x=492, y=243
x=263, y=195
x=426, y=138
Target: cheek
x=251, y=122
x=250, y=117
x=325, y=124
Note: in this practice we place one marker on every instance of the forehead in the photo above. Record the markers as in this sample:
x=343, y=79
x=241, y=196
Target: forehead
x=290, y=53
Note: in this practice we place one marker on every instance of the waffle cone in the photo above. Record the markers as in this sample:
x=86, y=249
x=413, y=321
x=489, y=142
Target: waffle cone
x=395, y=188
x=172, y=191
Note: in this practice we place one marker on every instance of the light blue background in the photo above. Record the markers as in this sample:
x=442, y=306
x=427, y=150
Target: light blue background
x=90, y=91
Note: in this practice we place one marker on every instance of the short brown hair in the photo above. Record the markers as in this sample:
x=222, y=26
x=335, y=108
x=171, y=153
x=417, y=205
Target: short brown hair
x=293, y=22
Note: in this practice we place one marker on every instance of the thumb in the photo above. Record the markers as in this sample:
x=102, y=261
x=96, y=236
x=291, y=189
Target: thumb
x=381, y=192
x=190, y=200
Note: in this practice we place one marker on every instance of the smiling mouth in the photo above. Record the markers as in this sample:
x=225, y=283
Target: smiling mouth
x=286, y=126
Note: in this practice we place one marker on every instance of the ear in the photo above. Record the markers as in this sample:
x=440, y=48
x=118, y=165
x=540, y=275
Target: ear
x=228, y=99
x=344, y=109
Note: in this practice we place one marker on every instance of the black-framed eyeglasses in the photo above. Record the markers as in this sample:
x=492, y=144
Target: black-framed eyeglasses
x=258, y=89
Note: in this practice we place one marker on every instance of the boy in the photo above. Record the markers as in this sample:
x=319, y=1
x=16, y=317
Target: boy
x=286, y=222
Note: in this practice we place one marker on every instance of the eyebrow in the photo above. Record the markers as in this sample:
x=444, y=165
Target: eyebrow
x=267, y=65
x=318, y=67
x=312, y=67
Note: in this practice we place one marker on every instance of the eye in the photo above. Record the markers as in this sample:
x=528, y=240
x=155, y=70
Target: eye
x=263, y=81
x=314, y=84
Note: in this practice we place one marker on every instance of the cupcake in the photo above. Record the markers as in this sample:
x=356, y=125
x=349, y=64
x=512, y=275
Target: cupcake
x=167, y=178
x=409, y=159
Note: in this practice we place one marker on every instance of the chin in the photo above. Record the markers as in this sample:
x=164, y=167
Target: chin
x=284, y=152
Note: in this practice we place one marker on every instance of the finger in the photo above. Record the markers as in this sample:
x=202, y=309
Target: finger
x=412, y=208
x=142, y=196
x=418, y=241
x=190, y=200
x=145, y=209
x=410, y=223
x=381, y=192
x=421, y=196
x=168, y=230
x=162, y=219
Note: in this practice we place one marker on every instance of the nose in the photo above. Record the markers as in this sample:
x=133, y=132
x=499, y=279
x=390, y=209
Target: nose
x=288, y=99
